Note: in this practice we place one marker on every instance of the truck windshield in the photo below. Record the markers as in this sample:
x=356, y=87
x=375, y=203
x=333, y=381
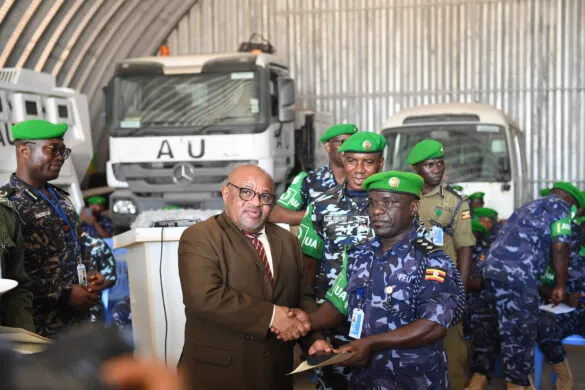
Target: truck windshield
x=473, y=152
x=187, y=101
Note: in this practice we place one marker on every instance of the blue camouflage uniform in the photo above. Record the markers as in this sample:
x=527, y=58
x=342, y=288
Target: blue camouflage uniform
x=552, y=329
x=52, y=253
x=512, y=271
x=96, y=249
x=413, y=280
x=338, y=219
x=480, y=322
x=104, y=221
x=306, y=187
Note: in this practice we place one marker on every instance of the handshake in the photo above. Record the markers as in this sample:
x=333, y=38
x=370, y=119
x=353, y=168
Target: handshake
x=290, y=324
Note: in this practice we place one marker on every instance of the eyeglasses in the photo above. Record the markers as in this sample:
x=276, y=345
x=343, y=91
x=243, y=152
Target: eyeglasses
x=54, y=151
x=266, y=198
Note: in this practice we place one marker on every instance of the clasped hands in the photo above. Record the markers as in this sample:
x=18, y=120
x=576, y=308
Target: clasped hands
x=290, y=324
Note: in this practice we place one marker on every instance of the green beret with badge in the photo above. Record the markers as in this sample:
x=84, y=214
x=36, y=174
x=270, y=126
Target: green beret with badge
x=544, y=192
x=476, y=195
x=457, y=188
x=425, y=150
x=485, y=212
x=476, y=226
x=571, y=190
x=363, y=142
x=395, y=181
x=335, y=130
x=38, y=129
x=96, y=200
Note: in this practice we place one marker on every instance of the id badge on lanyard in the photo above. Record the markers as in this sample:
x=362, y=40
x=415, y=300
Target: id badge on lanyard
x=357, y=318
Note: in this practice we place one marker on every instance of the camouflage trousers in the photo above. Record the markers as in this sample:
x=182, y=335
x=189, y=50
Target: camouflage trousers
x=552, y=329
x=517, y=311
x=334, y=377
x=481, y=325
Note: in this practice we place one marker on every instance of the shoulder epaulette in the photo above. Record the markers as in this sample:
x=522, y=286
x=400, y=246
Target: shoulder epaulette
x=425, y=246
x=455, y=192
x=59, y=190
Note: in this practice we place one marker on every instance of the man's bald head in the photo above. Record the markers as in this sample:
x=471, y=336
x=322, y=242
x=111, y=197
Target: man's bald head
x=248, y=196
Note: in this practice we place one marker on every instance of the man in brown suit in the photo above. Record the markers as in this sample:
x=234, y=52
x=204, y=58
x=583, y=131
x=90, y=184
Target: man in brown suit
x=236, y=286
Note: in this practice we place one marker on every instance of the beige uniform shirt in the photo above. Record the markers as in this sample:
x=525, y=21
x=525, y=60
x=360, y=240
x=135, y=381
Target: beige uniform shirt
x=437, y=208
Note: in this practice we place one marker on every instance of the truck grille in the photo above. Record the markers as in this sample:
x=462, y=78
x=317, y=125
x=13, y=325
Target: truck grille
x=184, y=177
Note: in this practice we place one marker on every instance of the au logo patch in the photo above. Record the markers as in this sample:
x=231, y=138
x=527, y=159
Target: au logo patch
x=466, y=215
x=394, y=182
x=367, y=145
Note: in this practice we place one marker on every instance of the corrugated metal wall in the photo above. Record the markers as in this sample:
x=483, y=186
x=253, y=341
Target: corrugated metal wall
x=362, y=60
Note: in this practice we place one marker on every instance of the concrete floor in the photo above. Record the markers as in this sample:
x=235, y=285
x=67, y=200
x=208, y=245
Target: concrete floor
x=576, y=361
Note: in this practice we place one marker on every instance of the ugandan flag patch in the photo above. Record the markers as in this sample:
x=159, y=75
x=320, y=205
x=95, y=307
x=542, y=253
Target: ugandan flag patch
x=435, y=274
x=465, y=215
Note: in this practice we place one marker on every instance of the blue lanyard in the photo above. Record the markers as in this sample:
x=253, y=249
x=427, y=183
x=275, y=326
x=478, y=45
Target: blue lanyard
x=59, y=210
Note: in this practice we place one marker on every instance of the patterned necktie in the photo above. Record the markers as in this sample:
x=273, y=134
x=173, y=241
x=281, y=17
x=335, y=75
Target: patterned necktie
x=260, y=249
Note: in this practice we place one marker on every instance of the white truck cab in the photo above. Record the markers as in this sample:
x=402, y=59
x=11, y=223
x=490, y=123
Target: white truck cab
x=178, y=125
x=484, y=149
x=26, y=94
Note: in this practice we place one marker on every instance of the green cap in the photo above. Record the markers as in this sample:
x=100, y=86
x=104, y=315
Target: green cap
x=458, y=188
x=424, y=150
x=478, y=227
x=335, y=130
x=485, y=212
x=395, y=181
x=476, y=195
x=38, y=129
x=572, y=190
x=96, y=200
x=544, y=192
x=363, y=142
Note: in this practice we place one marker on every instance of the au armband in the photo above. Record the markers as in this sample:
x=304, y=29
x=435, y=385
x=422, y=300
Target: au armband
x=337, y=294
x=311, y=243
x=560, y=228
x=291, y=199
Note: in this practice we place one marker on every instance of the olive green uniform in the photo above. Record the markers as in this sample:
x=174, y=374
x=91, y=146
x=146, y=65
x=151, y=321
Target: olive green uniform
x=16, y=304
x=445, y=208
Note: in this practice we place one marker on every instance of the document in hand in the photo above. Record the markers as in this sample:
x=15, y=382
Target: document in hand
x=561, y=308
x=321, y=361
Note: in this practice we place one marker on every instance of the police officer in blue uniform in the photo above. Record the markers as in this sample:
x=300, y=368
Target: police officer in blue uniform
x=338, y=219
x=480, y=322
x=536, y=234
x=51, y=230
x=306, y=187
x=402, y=293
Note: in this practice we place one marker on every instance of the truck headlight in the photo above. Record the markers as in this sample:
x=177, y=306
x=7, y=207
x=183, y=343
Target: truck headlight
x=124, y=207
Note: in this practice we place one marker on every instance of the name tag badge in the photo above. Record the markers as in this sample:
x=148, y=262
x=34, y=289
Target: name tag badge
x=357, y=322
x=437, y=235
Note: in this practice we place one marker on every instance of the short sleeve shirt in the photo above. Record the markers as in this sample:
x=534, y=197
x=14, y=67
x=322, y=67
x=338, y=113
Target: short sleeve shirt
x=444, y=208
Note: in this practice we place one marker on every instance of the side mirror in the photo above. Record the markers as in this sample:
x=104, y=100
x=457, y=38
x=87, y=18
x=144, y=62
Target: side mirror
x=286, y=99
x=504, y=165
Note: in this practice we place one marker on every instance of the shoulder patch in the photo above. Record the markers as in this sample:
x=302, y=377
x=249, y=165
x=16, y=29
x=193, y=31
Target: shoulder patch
x=465, y=214
x=435, y=274
x=425, y=246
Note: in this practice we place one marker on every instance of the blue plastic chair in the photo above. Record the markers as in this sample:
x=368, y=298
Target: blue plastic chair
x=539, y=359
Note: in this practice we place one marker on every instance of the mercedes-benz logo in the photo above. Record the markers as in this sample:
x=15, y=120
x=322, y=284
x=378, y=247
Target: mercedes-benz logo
x=183, y=174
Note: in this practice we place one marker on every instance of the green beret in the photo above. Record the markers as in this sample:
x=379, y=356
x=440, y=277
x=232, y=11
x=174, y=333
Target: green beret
x=38, y=129
x=395, y=181
x=476, y=195
x=96, y=200
x=424, y=150
x=478, y=227
x=544, y=192
x=335, y=130
x=457, y=188
x=363, y=142
x=485, y=212
x=572, y=190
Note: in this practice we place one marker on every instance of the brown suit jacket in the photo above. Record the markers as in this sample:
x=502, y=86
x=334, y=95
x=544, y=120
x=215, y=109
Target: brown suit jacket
x=228, y=305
